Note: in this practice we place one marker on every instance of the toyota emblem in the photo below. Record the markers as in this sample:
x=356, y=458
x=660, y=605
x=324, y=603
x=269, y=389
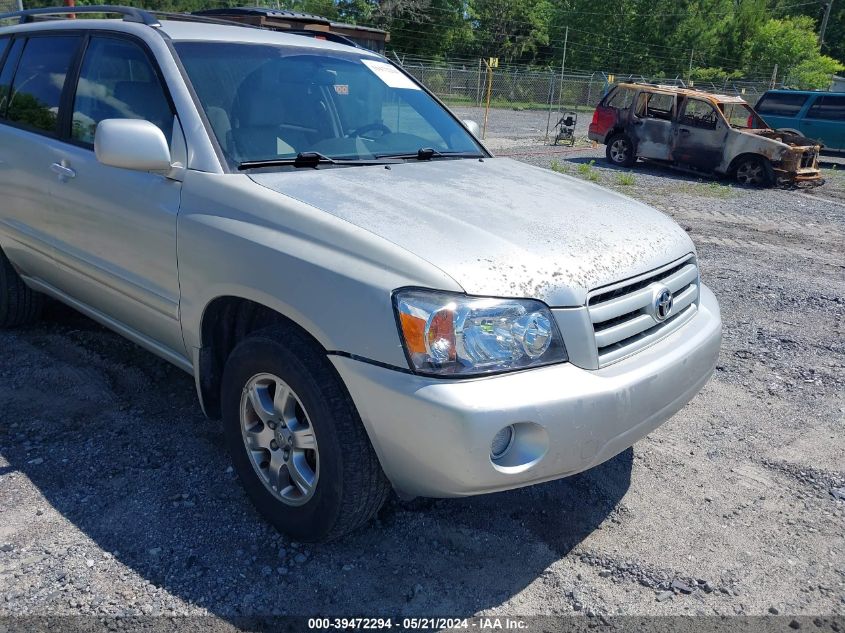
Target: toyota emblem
x=663, y=300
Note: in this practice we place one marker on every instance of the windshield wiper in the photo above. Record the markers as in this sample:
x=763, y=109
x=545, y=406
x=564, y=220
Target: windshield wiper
x=428, y=153
x=312, y=159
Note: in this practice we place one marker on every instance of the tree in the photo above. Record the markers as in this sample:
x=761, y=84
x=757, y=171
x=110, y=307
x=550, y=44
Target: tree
x=792, y=44
x=512, y=29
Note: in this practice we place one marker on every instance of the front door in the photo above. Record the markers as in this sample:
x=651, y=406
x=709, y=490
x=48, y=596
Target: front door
x=699, y=136
x=651, y=125
x=115, y=229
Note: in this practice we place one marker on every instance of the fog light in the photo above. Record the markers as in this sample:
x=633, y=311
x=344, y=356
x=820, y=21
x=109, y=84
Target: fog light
x=501, y=443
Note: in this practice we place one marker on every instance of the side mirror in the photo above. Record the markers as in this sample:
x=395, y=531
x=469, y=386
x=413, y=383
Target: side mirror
x=131, y=144
x=473, y=127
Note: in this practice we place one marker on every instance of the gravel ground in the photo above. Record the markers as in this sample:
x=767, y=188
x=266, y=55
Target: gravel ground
x=116, y=496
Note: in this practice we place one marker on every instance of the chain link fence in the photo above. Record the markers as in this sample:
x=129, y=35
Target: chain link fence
x=526, y=103
x=7, y=6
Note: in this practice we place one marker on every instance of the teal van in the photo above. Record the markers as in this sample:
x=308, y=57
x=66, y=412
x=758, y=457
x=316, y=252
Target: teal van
x=816, y=115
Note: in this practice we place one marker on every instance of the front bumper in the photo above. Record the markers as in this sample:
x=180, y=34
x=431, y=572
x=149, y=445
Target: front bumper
x=433, y=435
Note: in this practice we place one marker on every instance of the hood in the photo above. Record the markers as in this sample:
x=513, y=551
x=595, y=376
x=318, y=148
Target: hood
x=781, y=137
x=498, y=227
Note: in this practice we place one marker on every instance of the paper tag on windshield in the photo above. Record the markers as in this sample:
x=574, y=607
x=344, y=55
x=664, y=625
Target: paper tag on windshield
x=390, y=75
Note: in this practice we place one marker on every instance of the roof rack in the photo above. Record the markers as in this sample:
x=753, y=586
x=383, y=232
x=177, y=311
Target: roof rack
x=133, y=14
x=141, y=16
x=130, y=14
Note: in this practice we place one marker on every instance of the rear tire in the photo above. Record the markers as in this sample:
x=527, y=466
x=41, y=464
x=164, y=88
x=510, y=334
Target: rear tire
x=754, y=171
x=19, y=304
x=314, y=489
x=620, y=151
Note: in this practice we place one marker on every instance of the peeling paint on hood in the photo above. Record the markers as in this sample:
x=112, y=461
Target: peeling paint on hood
x=498, y=227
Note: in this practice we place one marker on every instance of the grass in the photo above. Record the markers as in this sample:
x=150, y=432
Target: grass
x=626, y=179
x=560, y=168
x=585, y=170
x=588, y=171
x=710, y=189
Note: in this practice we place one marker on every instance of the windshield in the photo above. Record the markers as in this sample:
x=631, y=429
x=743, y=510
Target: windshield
x=740, y=115
x=268, y=103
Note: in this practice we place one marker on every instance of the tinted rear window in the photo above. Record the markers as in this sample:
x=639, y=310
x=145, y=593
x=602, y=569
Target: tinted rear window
x=781, y=103
x=39, y=80
x=828, y=108
x=7, y=74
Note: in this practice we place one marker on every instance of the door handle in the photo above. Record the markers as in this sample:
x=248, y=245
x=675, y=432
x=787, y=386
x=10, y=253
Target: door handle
x=684, y=132
x=62, y=171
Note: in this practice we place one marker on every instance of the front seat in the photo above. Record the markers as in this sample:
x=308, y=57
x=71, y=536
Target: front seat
x=257, y=114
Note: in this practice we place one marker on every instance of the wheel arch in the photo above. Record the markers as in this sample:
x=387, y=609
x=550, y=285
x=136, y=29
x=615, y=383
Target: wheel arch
x=226, y=320
x=731, y=171
x=614, y=131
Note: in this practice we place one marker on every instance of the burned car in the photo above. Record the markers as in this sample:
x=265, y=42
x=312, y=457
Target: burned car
x=701, y=132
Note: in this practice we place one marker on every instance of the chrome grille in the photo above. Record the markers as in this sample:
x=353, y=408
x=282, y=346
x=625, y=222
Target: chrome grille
x=625, y=316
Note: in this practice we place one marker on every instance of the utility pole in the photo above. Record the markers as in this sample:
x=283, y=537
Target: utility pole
x=562, y=68
x=824, y=22
x=689, y=74
x=563, y=61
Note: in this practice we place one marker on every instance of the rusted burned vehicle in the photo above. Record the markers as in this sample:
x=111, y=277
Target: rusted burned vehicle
x=701, y=132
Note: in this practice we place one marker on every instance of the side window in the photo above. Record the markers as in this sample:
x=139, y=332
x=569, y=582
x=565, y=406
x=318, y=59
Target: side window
x=700, y=114
x=4, y=44
x=8, y=73
x=828, y=108
x=655, y=105
x=621, y=98
x=781, y=103
x=117, y=81
x=39, y=80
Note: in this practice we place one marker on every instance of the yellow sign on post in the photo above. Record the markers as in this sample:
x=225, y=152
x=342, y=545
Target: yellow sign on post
x=491, y=63
x=611, y=79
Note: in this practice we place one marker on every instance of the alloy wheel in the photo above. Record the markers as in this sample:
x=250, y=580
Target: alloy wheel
x=279, y=439
x=619, y=150
x=751, y=173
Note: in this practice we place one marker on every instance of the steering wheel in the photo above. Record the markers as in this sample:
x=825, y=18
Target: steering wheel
x=377, y=126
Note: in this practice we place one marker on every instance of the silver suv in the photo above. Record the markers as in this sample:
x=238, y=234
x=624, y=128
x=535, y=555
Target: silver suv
x=365, y=296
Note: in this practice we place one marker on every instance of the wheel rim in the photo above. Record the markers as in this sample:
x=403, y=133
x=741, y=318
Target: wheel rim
x=750, y=173
x=619, y=150
x=279, y=439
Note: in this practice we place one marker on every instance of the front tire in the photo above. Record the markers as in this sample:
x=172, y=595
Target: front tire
x=19, y=304
x=754, y=171
x=620, y=151
x=296, y=439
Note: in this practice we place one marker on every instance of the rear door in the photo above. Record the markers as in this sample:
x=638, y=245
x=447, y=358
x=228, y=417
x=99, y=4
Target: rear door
x=825, y=121
x=782, y=109
x=32, y=85
x=651, y=125
x=699, y=136
x=115, y=229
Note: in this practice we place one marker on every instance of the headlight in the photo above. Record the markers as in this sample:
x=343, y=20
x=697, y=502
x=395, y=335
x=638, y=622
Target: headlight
x=452, y=334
